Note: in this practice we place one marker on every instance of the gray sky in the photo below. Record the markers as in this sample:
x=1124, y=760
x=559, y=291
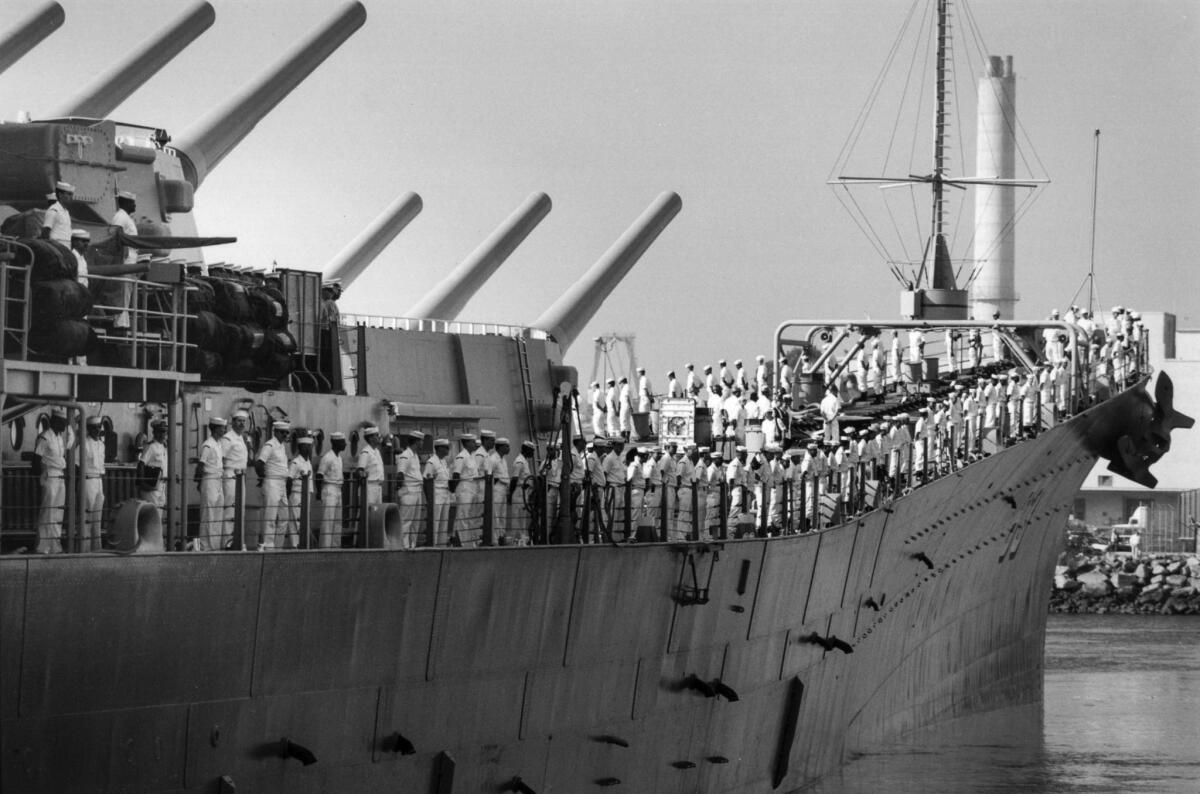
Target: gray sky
x=741, y=108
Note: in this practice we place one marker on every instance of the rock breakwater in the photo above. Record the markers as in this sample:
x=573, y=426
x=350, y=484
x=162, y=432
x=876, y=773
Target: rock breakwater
x=1120, y=584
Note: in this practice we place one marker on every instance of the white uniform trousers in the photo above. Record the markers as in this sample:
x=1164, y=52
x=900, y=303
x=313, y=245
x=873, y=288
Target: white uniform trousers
x=466, y=515
x=411, y=527
x=331, y=516
x=499, y=509
x=442, y=499
x=93, y=510
x=229, y=500
x=274, y=512
x=290, y=538
x=683, y=522
x=50, y=513
x=212, y=515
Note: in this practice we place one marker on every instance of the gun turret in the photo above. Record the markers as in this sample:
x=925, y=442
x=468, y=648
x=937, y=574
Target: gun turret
x=112, y=88
x=362, y=250
x=30, y=33
x=203, y=145
x=576, y=307
x=447, y=299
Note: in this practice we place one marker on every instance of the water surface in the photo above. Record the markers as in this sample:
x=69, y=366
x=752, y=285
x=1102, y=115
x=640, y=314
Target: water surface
x=1121, y=714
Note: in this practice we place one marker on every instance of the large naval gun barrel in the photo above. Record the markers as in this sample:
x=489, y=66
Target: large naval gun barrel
x=203, y=145
x=447, y=299
x=362, y=250
x=30, y=33
x=576, y=307
x=111, y=88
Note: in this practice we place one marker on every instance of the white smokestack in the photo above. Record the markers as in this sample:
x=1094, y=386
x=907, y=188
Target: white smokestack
x=993, y=289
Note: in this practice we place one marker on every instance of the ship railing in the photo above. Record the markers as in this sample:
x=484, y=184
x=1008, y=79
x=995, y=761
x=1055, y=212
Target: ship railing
x=441, y=326
x=126, y=322
x=870, y=360
x=14, y=298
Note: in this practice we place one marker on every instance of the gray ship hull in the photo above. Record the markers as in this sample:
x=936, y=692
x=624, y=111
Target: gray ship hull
x=559, y=668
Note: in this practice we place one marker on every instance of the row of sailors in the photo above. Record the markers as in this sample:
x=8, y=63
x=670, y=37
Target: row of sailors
x=455, y=481
x=1114, y=342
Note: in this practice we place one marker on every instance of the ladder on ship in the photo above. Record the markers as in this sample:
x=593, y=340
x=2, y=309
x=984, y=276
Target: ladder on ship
x=527, y=392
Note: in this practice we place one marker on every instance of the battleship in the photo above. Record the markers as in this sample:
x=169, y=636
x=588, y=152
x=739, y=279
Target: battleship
x=740, y=657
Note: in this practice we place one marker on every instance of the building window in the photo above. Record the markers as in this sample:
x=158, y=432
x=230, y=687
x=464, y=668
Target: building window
x=1104, y=480
x=1079, y=510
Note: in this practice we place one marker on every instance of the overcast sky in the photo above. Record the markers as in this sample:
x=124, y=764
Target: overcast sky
x=741, y=108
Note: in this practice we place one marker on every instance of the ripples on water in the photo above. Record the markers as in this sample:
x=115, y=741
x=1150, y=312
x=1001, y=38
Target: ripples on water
x=1121, y=714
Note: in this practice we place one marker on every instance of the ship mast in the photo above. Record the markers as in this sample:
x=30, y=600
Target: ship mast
x=932, y=292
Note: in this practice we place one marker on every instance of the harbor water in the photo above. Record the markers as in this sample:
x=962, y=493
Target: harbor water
x=1121, y=713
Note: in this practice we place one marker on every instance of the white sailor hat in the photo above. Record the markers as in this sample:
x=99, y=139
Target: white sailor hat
x=52, y=195
x=812, y=445
x=305, y=440
x=624, y=380
x=1054, y=312
x=370, y=430
x=502, y=442
x=1117, y=310
x=218, y=421
x=772, y=447
x=739, y=448
x=708, y=367
x=795, y=452
x=528, y=445
x=864, y=432
x=716, y=454
x=643, y=450
x=65, y=187
x=1135, y=315
x=762, y=359
x=127, y=194
x=244, y=415
x=487, y=433
x=416, y=435
x=737, y=363
x=670, y=373
x=94, y=420
x=924, y=409
x=959, y=387
x=595, y=384
x=82, y=234
x=441, y=442
x=689, y=446
x=721, y=363
x=612, y=381
x=467, y=437
x=641, y=370
x=691, y=366
x=337, y=435
x=288, y=426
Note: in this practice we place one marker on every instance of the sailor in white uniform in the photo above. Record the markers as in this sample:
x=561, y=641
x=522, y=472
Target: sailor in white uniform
x=614, y=409
x=599, y=409
x=438, y=466
x=50, y=462
x=56, y=225
x=209, y=471
x=93, y=482
x=271, y=465
x=625, y=404
x=235, y=457
x=370, y=465
x=299, y=481
x=464, y=475
x=153, y=469
x=411, y=478
x=122, y=218
x=498, y=467
x=330, y=475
